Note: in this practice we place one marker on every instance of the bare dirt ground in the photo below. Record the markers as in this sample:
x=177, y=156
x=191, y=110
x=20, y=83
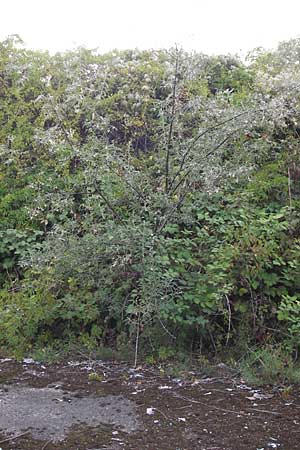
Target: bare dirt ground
x=91, y=405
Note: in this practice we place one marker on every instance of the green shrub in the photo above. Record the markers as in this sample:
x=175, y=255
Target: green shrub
x=270, y=365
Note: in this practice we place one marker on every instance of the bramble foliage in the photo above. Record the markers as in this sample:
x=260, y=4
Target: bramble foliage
x=149, y=190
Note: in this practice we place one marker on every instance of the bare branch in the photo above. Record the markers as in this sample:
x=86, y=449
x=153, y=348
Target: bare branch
x=219, y=145
x=107, y=202
x=170, y=134
x=197, y=138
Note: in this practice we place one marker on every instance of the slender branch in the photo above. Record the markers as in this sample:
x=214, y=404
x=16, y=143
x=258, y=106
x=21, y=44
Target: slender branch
x=197, y=138
x=166, y=329
x=184, y=177
x=162, y=413
x=275, y=413
x=14, y=437
x=45, y=445
x=137, y=191
x=191, y=400
x=290, y=187
x=137, y=340
x=219, y=145
x=107, y=202
x=172, y=211
x=170, y=133
x=229, y=319
x=61, y=125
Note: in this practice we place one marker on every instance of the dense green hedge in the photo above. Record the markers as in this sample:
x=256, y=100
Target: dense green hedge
x=149, y=190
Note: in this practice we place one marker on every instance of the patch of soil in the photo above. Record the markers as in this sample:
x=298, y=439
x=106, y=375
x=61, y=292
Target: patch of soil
x=91, y=405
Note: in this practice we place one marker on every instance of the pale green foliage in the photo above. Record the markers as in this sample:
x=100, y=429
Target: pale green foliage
x=165, y=187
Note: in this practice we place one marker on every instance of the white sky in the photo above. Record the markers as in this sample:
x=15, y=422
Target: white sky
x=210, y=26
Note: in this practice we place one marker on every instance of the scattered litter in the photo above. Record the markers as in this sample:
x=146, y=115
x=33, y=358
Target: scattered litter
x=138, y=381
x=259, y=396
x=136, y=375
x=223, y=366
x=271, y=444
x=244, y=387
x=28, y=361
x=207, y=380
x=34, y=373
x=135, y=369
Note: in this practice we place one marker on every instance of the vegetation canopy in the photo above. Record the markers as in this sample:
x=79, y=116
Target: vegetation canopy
x=150, y=198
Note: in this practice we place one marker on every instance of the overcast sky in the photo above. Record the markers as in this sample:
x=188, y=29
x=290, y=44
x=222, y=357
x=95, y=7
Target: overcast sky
x=210, y=26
